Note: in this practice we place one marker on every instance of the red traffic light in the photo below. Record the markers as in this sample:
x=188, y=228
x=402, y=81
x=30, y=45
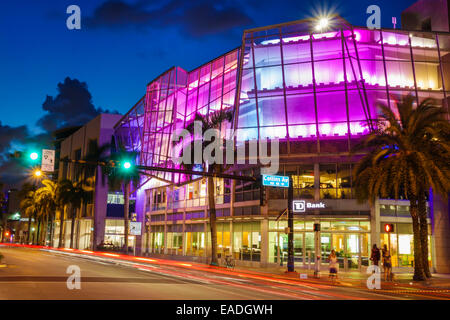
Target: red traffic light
x=6, y=234
x=389, y=227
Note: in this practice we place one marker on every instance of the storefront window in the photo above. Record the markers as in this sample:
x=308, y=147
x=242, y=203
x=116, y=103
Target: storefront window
x=223, y=239
x=114, y=226
x=279, y=225
x=325, y=245
x=299, y=225
x=328, y=181
x=344, y=181
x=325, y=225
x=85, y=234
x=306, y=181
x=157, y=239
x=247, y=241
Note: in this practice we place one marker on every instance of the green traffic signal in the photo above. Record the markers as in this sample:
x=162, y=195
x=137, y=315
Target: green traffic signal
x=127, y=165
x=34, y=156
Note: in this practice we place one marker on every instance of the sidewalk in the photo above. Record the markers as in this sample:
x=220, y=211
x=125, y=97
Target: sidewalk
x=355, y=278
x=351, y=278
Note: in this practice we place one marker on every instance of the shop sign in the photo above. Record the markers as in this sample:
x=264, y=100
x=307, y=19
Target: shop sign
x=135, y=228
x=303, y=205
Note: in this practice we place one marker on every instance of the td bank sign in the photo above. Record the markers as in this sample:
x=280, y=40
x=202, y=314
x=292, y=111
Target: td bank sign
x=303, y=205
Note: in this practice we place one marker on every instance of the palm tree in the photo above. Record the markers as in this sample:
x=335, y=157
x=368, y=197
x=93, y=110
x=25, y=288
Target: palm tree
x=62, y=193
x=120, y=177
x=432, y=136
x=28, y=204
x=46, y=198
x=212, y=121
x=29, y=208
x=407, y=154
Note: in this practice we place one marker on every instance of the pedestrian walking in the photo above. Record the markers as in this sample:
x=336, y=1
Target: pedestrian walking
x=387, y=264
x=333, y=265
x=375, y=257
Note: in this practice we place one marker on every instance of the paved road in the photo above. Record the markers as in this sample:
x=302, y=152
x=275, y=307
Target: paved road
x=41, y=274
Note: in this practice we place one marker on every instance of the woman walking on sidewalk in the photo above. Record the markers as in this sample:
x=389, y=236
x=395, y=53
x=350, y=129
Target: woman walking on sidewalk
x=387, y=264
x=333, y=265
x=375, y=257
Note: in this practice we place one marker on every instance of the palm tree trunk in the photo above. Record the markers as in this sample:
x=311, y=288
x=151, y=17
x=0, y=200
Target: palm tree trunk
x=419, y=274
x=147, y=235
x=212, y=221
x=61, y=227
x=422, y=211
x=126, y=209
x=72, y=228
x=44, y=236
x=38, y=232
x=52, y=220
x=94, y=231
x=33, y=238
x=29, y=229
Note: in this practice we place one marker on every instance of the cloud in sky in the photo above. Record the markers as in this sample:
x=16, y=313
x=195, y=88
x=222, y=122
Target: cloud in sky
x=196, y=18
x=10, y=135
x=71, y=107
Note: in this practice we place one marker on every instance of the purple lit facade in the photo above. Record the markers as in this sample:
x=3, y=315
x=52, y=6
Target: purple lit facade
x=318, y=93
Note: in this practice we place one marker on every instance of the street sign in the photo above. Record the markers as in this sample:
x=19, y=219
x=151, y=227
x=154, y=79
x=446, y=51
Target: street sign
x=48, y=160
x=275, y=181
x=302, y=205
x=135, y=228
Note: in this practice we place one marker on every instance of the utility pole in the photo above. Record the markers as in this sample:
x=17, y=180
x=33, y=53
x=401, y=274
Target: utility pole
x=290, y=264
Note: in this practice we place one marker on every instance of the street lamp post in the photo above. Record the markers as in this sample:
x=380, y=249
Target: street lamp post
x=290, y=264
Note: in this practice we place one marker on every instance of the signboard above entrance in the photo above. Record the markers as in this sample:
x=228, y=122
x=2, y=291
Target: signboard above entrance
x=303, y=205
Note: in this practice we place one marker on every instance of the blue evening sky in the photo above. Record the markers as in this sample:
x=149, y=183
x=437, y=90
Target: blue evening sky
x=118, y=53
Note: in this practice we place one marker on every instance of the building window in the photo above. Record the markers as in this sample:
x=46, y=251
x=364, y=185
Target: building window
x=247, y=190
x=247, y=241
x=328, y=181
x=115, y=198
x=195, y=239
x=175, y=239
x=305, y=182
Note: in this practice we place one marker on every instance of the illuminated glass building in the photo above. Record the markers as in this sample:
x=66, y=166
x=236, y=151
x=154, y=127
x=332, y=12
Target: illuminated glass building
x=318, y=93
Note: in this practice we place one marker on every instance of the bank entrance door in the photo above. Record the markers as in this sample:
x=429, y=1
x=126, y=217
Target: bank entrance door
x=348, y=250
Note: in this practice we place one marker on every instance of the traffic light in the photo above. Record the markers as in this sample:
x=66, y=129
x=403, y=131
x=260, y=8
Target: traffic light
x=30, y=157
x=262, y=192
x=127, y=165
x=34, y=156
x=316, y=227
x=389, y=227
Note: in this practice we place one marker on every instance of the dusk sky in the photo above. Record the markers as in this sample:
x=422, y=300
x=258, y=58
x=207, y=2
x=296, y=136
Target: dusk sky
x=123, y=45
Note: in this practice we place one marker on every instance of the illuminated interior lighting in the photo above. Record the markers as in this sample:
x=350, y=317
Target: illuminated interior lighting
x=325, y=35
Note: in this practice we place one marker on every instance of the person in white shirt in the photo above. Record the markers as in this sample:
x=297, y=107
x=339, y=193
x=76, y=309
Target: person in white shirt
x=333, y=265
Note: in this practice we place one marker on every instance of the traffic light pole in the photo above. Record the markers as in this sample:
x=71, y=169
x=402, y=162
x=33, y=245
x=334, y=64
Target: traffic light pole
x=160, y=169
x=290, y=264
